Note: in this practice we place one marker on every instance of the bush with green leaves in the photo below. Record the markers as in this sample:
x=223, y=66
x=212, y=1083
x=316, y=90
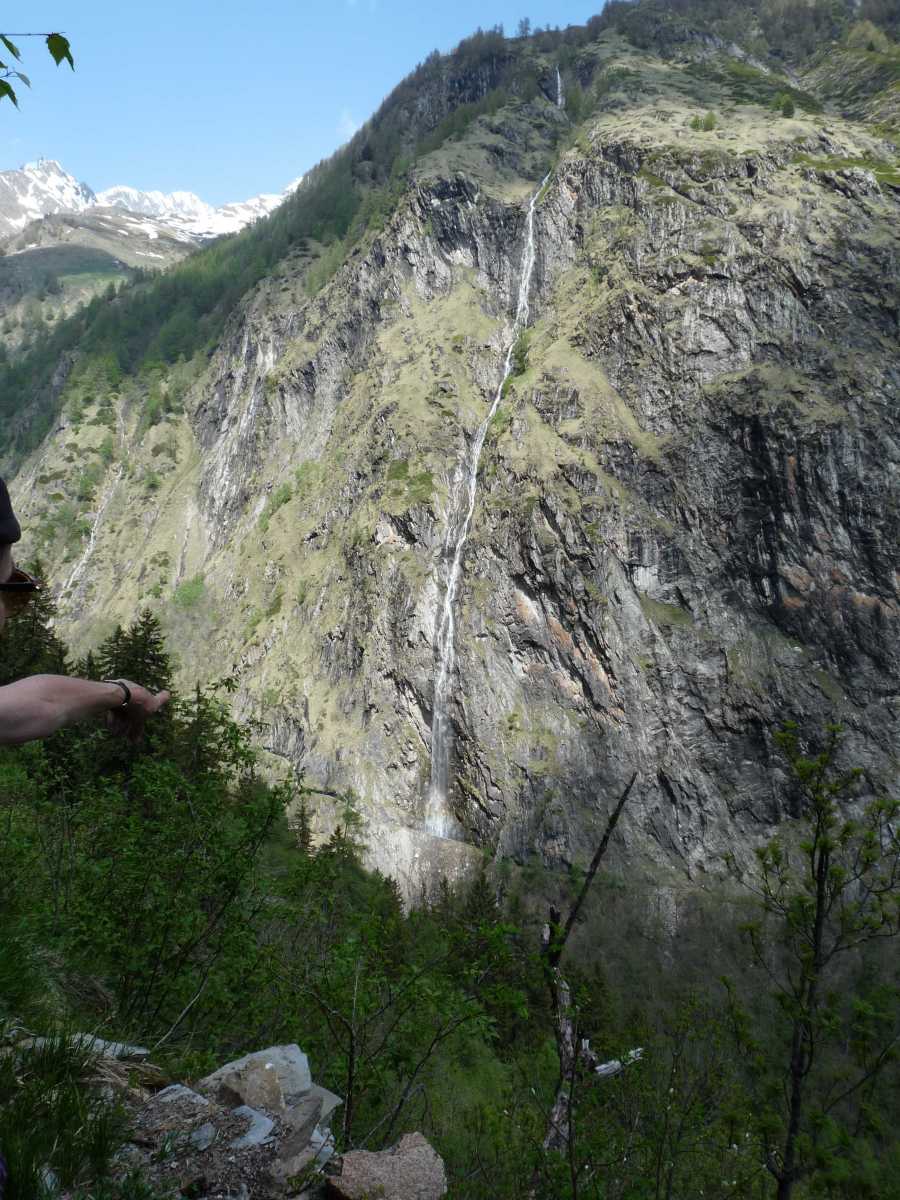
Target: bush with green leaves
x=707, y=123
x=816, y=1045
x=278, y=498
x=140, y=863
x=190, y=593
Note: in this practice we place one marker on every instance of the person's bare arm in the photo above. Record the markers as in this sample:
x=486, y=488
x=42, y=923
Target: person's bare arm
x=39, y=705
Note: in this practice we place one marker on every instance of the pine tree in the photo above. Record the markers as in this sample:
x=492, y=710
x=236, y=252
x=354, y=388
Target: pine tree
x=28, y=645
x=87, y=667
x=137, y=653
x=109, y=653
x=480, y=906
x=302, y=829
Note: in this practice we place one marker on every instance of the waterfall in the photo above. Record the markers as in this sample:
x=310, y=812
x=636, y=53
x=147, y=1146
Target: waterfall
x=78, y=569
x=560, y=97
x=108, y=491
x=437, y=819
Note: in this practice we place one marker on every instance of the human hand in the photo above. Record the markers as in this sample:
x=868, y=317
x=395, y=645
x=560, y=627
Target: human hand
x=128, y=720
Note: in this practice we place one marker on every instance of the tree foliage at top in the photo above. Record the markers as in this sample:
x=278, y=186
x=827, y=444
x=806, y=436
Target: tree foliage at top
x=58, y=48
x=783, y=29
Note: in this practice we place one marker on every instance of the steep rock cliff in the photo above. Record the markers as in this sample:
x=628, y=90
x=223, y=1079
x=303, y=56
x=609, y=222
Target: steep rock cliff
x=686, y=522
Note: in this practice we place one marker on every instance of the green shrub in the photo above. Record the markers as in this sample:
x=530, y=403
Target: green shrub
x=278, y=498
x=420, y=487
x=190, y=593
x=398, y=469
x=519, y=360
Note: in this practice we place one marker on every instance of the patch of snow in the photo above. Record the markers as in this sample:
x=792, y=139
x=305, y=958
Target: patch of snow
x=190, y=214
x=43, y=188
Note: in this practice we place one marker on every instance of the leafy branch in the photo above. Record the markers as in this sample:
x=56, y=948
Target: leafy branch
x=57, y=46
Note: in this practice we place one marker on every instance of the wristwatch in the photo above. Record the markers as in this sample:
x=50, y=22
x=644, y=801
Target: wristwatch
x=126, y=690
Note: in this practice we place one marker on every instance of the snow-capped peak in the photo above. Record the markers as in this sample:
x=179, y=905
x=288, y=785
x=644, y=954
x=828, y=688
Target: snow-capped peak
x=189, y=212
x=41, y=188
x=153, y=204
x=38, y=189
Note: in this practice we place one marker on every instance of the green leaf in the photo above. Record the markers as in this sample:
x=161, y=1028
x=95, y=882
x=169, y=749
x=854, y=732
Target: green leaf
x=59, y=49
x=6, y=90
x=11, y=46
x=21, y=75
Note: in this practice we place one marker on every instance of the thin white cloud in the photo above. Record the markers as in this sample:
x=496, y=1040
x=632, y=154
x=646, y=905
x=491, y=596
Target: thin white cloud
x=347, y=125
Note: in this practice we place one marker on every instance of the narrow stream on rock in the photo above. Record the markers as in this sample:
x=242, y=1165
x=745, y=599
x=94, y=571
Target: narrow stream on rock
x=438, y=820
x=560, y=97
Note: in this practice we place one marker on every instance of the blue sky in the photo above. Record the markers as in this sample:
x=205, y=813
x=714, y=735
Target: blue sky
x=224, y=99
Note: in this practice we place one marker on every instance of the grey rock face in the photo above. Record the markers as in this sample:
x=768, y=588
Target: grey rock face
x=270, y=1078
x=687, y=518
x=258, y=1131
x=95, y=1045
x=177, y=1092
x=204, y=1136
x=710, y=553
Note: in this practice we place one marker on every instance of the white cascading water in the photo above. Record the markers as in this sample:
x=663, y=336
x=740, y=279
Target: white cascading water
x=79, y=567
x=560, y=96
x=438, y=820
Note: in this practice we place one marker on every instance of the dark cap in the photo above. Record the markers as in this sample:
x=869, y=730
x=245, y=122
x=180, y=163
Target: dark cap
x=9, y=526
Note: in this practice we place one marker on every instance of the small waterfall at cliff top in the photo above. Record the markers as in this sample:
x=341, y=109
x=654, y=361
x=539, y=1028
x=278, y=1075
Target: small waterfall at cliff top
x=560, y=95
x=437, y=820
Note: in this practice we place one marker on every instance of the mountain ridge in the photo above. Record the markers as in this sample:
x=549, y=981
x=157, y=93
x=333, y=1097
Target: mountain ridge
x=44, y=188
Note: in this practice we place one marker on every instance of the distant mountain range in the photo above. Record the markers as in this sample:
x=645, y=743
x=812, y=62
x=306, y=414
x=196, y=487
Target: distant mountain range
x=45, y=188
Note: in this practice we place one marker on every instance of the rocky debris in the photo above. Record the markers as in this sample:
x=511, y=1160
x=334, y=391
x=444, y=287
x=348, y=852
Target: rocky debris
x=853, y=182
x=259, y=1131
x=272, y=1079
x=411, y=1170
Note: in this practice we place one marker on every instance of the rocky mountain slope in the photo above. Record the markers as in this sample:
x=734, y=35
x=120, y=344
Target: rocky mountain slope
x=686, y=518
x=66, y=244
x=58, y=263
